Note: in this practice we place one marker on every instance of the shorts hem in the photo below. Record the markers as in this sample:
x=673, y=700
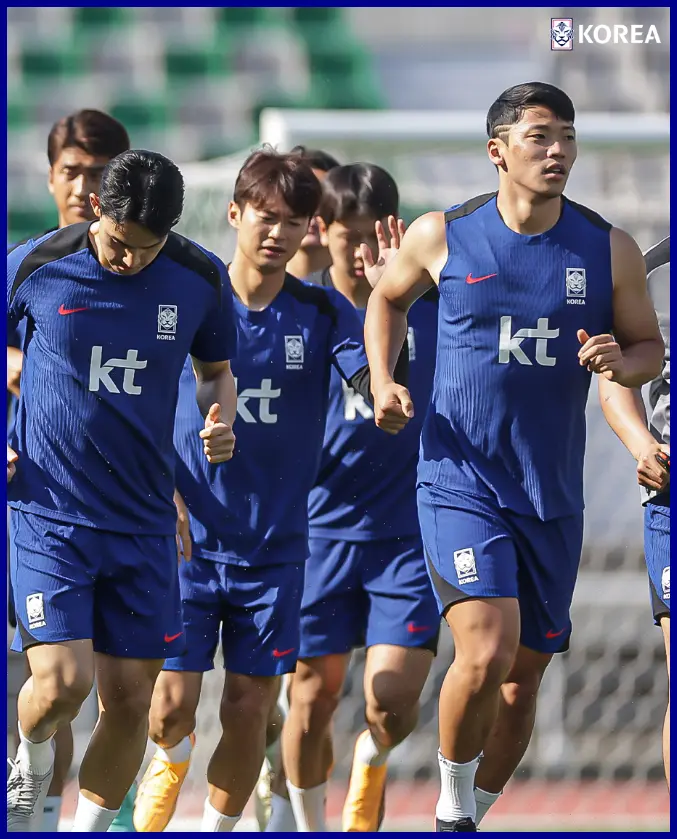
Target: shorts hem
x=68, y=519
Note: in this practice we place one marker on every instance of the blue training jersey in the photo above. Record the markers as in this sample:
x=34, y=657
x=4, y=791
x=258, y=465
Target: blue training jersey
x=253, y=509
x=507, y=415
x=103, y=357
x=366, y=486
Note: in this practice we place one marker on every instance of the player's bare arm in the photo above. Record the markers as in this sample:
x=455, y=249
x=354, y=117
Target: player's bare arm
x=624, y=410
x=217, y=400
x=12, y=458
x=420, y=258
x=633, y=355
x=183, y=543
x=14, y=364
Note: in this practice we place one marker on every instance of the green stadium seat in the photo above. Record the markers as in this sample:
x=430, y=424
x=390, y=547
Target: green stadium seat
x=312, y=15
x=335, y=59
x=101, y=17
x=344, y=93
x=141, y=114
x=24, y=222
x=247, y=17
x=189, y=64
x=18, y=114
x=41, y=64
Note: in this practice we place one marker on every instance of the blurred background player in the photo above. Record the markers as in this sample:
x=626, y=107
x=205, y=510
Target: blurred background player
x=312, y=255
x=249, y=523
x=500, y=484
x=366, y=581
x=650, y=446
x=78, y=148
x=93, y=524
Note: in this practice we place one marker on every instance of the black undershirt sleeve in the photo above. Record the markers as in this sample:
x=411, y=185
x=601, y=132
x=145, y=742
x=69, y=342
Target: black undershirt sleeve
x=361, y=381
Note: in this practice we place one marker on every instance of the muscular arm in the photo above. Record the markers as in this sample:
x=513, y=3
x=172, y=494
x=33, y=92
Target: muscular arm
x=634, y=318
x=14, y=364
x=414, y=270
x=215, y=384
x=623, y=409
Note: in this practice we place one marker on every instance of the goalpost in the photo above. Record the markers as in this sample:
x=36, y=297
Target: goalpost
x=602, y=703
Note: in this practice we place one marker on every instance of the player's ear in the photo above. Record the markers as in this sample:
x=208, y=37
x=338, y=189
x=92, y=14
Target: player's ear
x=95, y=205
x=496, y=150
x=322, y=230
x=234, y=215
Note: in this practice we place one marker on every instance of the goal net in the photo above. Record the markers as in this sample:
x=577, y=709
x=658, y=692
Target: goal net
x=602, y=703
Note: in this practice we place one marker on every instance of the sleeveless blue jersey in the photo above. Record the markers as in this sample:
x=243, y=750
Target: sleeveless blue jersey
x=507, y=415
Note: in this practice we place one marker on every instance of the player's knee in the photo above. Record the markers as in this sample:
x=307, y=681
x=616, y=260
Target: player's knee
x=394, y=717
x=521, y=695
x=315, y=702
x=486, y=669
x=62, y=695
x=171, y=723
x=129, y=705
x=247, y=701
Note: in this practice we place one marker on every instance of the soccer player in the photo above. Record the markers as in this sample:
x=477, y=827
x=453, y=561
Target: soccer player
x=366, y=580
x=78, y=148
x=312, y=255
x=650, y=446
x=249, y=523
x=113, y=308
x=536, y=293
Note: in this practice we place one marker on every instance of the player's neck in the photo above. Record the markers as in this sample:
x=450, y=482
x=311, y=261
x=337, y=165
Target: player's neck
x=357, y=291
x=253, y=289
x=307, y=262
x=526, y=213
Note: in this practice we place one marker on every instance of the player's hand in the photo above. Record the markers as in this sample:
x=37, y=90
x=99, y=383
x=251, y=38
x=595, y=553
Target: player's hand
x=12, y=458
x=218, y=437
x=393, y=408
x=373, y=271
x=651, y=473
x=14, y=365
x=601, y=354
x=184, y=547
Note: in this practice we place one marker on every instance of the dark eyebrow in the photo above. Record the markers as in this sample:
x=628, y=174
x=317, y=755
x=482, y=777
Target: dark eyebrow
x=137, y=247
x=543, y=126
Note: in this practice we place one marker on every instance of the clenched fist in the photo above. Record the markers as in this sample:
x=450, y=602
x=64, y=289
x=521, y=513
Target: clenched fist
x=393, y=407
x=601, y=354
x=217, y=436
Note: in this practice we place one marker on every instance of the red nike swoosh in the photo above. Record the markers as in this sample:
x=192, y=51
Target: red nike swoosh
x=470, y=279
x=411, y=627
x=283, y=653
x=170, y=638
x=64, y=311
x=551, y=634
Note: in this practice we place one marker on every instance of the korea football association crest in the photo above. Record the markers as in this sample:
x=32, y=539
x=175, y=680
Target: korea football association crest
x=561, y=33
x=665, y=582
x=466, y=568
x=167, y=319
x=576, y=286
x=294, y=351
x=35, y=609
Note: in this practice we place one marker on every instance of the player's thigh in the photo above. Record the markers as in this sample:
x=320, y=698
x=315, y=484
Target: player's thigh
x=62, y=671
x=549, y=555
x=319, y=679
x=260, y=631
x=203, y=603
x=402, y=610
x=394, y=676
x=52, y=577
x=657, y=553
x=334, y=606
x=137, y=598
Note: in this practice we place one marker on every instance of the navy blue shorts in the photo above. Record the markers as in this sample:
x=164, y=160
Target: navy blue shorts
x=253, y=610
x=475, y=548
x=367, y=593
x=72, y=582
x=657, y=552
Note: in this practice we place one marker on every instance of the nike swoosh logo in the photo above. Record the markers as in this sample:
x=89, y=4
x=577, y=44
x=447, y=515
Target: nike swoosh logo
x=64, y=311
x=470, y=279
x=170, y=638
x=283, y=653
x=411, y=627
x=551, y=634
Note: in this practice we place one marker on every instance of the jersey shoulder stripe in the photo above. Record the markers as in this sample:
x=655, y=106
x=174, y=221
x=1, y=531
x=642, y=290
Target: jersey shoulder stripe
x=658, y=255
x=590, y=215
x=191, y=256
x=310, y=294
x=51, y=247
x=468, y=207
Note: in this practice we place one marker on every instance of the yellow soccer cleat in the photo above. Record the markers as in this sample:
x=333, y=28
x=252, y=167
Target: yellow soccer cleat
x=158, y=794
x=364, y=806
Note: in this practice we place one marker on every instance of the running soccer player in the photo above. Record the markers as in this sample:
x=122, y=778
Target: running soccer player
x=536, y=293
x=249, y=523
x=78, y=148
x=650, y=446
x=312, y=255
x=366, y=580
x=112, y=309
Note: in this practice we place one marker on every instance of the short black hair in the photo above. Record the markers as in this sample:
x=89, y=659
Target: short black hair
x=359, y=189
x=513, y=102
x=316, y=158
x=95, y=132
x=268, y=174
x=143, y=187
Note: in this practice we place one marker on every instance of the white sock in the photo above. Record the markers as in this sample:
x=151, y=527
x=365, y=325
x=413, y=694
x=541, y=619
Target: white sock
x=51, y=814
x=309, y=808
x=371, y=753
x=457, y=794
x=281, y=816
x=215, y=822
x=484, y=800
x=90, y=818
x=176, y=754
x=38, y=758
